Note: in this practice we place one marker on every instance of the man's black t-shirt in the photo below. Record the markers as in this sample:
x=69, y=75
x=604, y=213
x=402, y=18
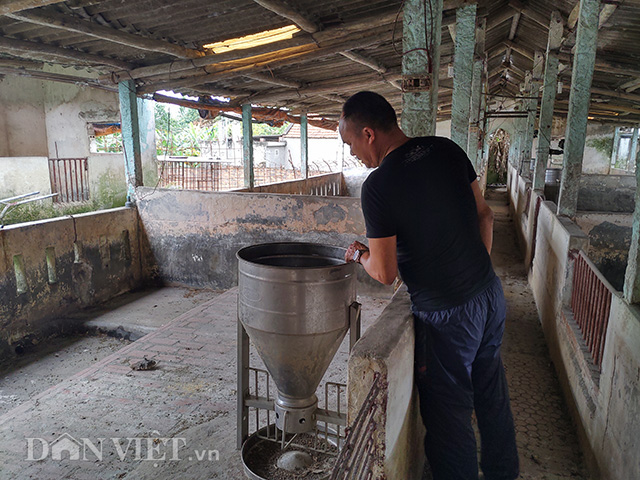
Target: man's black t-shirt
x=422, y=193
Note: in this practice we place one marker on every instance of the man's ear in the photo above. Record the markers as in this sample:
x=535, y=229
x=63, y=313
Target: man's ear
x=369, y=134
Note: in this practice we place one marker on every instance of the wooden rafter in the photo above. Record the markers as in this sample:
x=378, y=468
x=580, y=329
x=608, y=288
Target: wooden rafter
x=264, y=78
x=77, y=25
x=43, y=52
x=278, y=59
x=514, y=25
x=280, y=8
x=12, y=6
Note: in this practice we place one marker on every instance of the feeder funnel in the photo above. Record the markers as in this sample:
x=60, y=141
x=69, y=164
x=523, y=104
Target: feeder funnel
x=293, y=302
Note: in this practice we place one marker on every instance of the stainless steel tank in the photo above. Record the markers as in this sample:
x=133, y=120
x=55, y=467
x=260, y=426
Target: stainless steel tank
x=293, y=301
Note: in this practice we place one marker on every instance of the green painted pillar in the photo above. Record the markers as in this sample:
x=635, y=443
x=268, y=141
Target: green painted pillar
x=633, y=153
x=579, y=99
x=474, y=116
x=419, y=67
x=549, y=89
x=532, y=111
x=304, y=145
x=631, y=289
x=463, y=67
x=614, y=149
x=130, y=137
x=247, y=146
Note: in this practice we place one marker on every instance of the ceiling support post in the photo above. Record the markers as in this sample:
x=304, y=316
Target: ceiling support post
x=579, y=99
x=420, y=66
x=549, y=89
x=463, y=67
x=130, y=137
x=247, y=146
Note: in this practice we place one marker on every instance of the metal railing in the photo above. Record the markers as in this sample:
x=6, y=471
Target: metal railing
x=216, y=176
x=361, y=452
x=591, y=304
x=69, y=179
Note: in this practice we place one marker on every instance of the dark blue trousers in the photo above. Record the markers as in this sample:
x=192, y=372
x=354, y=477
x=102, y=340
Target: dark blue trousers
x=458, y=368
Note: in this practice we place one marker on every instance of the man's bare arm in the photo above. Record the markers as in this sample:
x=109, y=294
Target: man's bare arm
x=485, y=216
x=380, y=262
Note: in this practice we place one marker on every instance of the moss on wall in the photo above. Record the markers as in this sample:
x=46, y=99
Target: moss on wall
x=603, y=145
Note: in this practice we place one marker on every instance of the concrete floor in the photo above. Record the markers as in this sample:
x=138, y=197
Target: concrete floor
x=178, y=421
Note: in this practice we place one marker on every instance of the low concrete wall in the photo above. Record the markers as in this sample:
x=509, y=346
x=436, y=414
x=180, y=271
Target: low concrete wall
x=602, y=193
x=519, y=205
x=328, y=184
x=194, y=236
x=609, y=242
x=387, y=348
x=51, y=268
x=603, y=404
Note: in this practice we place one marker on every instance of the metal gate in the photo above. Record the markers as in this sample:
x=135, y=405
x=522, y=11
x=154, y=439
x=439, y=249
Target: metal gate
x=69, y=179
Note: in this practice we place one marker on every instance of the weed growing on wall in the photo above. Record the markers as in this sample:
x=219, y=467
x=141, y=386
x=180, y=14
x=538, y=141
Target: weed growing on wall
x=32, y=212
x=604, y=145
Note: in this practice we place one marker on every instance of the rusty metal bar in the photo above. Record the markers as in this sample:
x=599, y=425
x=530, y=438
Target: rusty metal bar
x=591, y=304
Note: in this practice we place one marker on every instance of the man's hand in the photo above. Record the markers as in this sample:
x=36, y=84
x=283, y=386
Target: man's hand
x=348, y=257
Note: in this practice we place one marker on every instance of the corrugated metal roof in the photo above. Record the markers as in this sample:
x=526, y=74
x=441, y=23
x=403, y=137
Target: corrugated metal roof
x=161, y=35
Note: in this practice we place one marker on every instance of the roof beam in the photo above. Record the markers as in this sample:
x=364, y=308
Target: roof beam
x=323, y=87
x=519, y=48
x=55, y=77
x=327, y=36
x=514, y=25
x=365, y=60
x=499, y=18
x=261, y=77
x=631, y=85
x=12, y=6
x=522, y=8
x=74, y=24
x=44, y=52
x=280, y=8
x=275, y=60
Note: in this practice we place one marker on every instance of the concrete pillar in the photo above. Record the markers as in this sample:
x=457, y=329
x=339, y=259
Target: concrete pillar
x=130, y=137
x=549, y=89
x=531, y=104
x=474, y=117
x=463, y=67
x=633, y=153
x=616, y=145
x=304, y=145
x=247, y=146
x=579, y=99
x=420, y=66
x=631, y=289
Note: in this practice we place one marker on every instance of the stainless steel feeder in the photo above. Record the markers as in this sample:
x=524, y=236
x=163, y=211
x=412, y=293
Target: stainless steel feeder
x=295, y=302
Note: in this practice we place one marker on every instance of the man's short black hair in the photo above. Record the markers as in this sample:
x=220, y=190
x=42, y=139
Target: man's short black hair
x=369, y=109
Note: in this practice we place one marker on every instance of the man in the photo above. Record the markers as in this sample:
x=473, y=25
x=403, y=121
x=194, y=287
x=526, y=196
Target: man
x=426, y=217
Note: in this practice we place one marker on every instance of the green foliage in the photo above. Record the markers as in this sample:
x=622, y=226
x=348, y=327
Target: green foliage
x=109, y=143
x=264, y=129
x=604, y=145
x=31, y=212
x=180, y=134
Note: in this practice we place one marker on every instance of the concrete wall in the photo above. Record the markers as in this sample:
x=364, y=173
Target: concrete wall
x=328, y=184
x=23, y=132
x=194, y=236
x=604, y=404
x=50, y=119
x=609, y=243
x=20, y=175
x=387, y=349
x=601, y=193
x=597, y=158
x=93, y=257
